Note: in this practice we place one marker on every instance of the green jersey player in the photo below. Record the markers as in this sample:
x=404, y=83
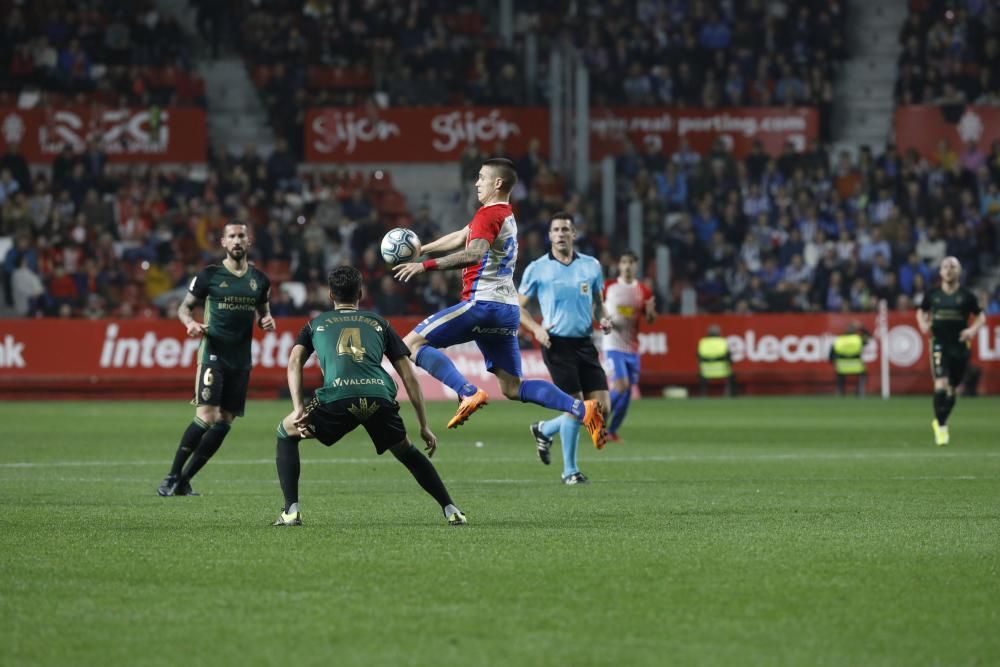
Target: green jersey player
x=357, y=391
x=234, y=295
x=944, y=314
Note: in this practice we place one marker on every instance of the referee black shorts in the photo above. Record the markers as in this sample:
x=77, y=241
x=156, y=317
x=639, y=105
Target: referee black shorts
x=574, y=365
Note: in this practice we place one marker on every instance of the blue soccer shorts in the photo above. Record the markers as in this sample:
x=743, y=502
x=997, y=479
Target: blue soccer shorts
x=491, y=325
x=625, y=365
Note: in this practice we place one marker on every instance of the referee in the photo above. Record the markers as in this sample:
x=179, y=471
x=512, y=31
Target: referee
x=567, y=286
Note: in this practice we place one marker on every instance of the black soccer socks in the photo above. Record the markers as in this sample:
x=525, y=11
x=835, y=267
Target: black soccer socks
x=424, y=472
x=189, y=442
x=209, y=445
x=289, y=467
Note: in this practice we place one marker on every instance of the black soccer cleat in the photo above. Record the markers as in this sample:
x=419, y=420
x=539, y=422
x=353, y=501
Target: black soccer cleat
x=169, y=487
x=543, y=441
x=166, y=486
x=575, y=478
x=185, y=490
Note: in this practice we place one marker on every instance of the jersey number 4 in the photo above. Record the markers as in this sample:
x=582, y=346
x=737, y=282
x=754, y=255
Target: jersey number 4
x=350, y=343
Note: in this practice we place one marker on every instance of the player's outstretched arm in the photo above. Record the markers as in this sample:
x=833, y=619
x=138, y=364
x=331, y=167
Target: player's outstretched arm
x=470, y=255
x=194, y=328
x=404, y=367
x=448, y=242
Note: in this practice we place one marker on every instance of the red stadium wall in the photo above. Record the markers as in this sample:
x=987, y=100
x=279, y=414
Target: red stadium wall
x=924, y=127
x=148, y=358
x=125, y=135
x=440, y=134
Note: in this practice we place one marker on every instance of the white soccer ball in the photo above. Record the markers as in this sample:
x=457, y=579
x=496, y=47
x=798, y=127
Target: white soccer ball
x=400, y=245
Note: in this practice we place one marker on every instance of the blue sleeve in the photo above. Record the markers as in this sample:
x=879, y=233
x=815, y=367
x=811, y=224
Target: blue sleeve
x=529, y=284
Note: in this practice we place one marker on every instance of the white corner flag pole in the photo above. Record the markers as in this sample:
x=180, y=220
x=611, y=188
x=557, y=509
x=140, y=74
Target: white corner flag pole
x=883, y=345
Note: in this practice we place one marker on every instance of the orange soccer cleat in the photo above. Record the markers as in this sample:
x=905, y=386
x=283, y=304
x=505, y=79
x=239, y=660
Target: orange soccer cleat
x=469, y=405
x=593, y=421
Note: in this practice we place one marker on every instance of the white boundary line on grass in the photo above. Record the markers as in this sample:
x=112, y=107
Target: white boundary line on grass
x=667, y=458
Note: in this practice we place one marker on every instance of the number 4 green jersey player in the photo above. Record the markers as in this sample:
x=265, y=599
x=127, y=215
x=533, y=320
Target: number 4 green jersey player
x=350, y=344
x=234, y=295
x=944, y=314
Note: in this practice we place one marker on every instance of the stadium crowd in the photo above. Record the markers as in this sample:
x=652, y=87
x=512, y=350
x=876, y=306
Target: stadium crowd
x=54, y=52
x=707, y=53
x=951, y=54
x=802, y=231
x=799, y=231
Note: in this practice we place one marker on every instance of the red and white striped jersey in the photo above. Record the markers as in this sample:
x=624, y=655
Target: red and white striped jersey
x=492, y=279
x=626, y=304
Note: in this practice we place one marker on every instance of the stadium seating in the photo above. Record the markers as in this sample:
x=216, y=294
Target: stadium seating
x=684, y=53
x=950, y=54
x=800, y=231
x=118, y=53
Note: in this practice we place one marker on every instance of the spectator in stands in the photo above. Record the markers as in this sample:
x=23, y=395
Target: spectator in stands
x=26, y=287
x=932, y=249
x=15, y=163
x=671, y=186
x=8, y=185
x=833, y=299
x=909, y=271
x=282, y=168
x=390, y=299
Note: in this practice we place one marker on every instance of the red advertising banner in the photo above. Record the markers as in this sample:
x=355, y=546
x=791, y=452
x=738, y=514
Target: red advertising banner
x=440, y=134
x=771, y=354
x=924, y=127
x=737, y=127
x=126, y=135
x=436, y=134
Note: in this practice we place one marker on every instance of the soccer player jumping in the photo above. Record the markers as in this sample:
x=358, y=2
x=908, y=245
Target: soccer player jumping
x=626, y=299
x=488, y=313
x=944, y=314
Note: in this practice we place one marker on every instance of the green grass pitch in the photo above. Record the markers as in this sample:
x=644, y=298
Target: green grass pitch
x=796, y=531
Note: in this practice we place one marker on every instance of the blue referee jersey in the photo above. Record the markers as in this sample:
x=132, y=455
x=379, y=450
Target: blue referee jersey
x=565, y=293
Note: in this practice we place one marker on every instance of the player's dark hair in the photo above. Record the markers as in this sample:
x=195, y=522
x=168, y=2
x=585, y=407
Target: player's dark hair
x=629, y=253
x=345, y=284
x=562, y=215
x=505, y=171
x=238, y=223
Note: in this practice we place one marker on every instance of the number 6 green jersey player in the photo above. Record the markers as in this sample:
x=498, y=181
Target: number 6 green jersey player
x=235, y=296
x=944, y=314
